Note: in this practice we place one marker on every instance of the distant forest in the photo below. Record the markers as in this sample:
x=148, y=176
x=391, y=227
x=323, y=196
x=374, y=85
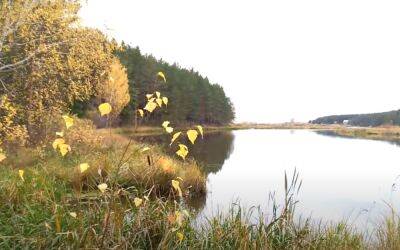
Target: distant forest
x=363, y=120
x=193, y=98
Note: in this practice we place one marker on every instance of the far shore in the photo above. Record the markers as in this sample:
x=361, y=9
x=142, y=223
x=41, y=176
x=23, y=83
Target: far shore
x=378, y=133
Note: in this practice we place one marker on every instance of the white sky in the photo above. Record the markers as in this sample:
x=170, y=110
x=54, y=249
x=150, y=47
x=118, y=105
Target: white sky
x=277, y=60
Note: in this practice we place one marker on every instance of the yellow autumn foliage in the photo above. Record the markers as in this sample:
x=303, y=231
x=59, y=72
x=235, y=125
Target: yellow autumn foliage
x=115, y=90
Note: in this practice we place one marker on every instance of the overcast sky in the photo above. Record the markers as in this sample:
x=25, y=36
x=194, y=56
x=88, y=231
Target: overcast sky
x=277, y=60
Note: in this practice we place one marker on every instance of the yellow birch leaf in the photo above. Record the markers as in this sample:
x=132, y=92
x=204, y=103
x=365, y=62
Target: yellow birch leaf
x=61, y=134
x=68, y=121
x=179, y=235
x=150, y=106
x=57, y=142
x=176, y=186
x=148, y=96
x=161, y=75
x=64, y=149
x=141, y=112
x=21, y=174
x=165, y=124
x=183, y=151
x=169, y=130
x=158, y=94
x=105, y=108
x=83, y=167
x=73, y=214
x=138, y=202
x=165, y=100
x=102, y=187
x=200, y=128
x=159, y=102
x=174, y=137
x=192, y=135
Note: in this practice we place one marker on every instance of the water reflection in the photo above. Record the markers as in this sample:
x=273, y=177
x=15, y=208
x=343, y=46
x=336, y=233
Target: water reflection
x=342, y=178
x=211, y=152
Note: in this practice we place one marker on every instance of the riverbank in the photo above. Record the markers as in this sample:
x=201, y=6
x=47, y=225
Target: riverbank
x=153, y=130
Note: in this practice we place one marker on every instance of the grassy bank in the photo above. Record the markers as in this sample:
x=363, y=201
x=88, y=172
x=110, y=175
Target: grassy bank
x=375, y=133
x=45, y=209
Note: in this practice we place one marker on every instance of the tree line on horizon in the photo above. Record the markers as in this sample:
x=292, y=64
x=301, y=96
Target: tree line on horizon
x=362, y=120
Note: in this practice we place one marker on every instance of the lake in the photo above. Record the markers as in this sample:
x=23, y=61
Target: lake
x=342, y=178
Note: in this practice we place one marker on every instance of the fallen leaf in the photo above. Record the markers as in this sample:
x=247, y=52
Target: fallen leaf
x=102, y=187
x=138, y=202
x=83, y=167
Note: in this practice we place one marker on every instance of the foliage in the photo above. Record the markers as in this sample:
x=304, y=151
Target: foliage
x=196, y=100
x=115, y=90
x=11, y=132
x=66, y=64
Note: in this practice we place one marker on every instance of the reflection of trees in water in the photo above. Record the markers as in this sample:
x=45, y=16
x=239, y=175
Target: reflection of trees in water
x=393, y=141
x=210, y=152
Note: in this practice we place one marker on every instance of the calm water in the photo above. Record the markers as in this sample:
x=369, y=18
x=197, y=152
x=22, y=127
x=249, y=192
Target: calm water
x=342, y=178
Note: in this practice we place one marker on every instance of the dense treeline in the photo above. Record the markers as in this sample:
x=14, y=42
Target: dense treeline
x=193, y=98
x=50, y=66
x=364, y=120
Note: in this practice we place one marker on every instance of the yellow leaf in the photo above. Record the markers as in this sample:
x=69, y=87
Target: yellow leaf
x=192, y=135
x=165, y=124
x=165, y=100
x=174, y=137
x=176, y=186
x=83, y=167
x=148, y=96
x=21, y=174
x=161, y=75
x=169, y=130
x=138, y=202
x=102, y=187
x=2, y=157
x=58, y=142
x=158, y=94
x=105, y=108
x=179, y=235
x=73, y=214
x=64, y=149
x=145, y=149
x=68, y=121
x=159, y=102
x=150, y=106
x=200, y=128
x=61, y=134
x=183, y=151
x=141, y=112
